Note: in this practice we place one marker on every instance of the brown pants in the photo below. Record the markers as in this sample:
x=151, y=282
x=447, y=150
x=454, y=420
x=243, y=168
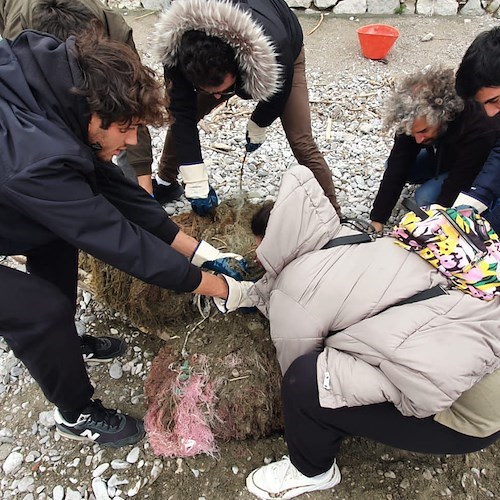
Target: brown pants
x=296, y=121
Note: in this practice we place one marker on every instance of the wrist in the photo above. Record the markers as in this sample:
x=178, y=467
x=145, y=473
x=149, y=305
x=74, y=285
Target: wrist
x=204, y=252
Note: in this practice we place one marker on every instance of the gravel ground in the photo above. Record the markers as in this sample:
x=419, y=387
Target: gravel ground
x=346, y=93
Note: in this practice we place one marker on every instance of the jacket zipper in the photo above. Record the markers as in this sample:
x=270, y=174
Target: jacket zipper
x=326, y=376
x=479, y=252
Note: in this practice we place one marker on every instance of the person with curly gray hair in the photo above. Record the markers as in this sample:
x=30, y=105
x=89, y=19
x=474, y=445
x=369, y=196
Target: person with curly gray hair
x=441, y=142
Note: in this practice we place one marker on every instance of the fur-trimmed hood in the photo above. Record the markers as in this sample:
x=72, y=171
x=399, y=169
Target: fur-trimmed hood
x=256, y=54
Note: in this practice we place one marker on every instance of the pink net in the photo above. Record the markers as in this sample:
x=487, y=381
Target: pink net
x=179, y=414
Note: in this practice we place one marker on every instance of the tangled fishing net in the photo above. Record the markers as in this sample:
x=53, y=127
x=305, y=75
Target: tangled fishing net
x=216, y=378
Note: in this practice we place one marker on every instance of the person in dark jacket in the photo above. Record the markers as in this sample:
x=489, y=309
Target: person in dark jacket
x=478, y=77
x=66, y=108
x=63, y=18
x=441, y=142
x=214, y=49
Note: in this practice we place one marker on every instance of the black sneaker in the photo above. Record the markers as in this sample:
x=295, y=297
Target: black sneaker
x=101, y=349
x=166, y=194
x=101, y=425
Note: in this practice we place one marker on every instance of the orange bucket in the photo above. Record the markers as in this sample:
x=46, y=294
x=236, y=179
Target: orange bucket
x=376, y=40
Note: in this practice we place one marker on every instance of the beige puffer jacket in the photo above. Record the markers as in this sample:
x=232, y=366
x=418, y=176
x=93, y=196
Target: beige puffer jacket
x=419, y=356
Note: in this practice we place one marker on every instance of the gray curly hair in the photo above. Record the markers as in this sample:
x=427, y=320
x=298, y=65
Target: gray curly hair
x=429, y=93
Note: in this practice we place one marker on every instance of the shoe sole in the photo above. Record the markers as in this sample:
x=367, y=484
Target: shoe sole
x=98, y=361
x=294, y=492
x=118, y=444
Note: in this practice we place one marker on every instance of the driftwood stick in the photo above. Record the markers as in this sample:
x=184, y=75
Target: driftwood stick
x=317, y=26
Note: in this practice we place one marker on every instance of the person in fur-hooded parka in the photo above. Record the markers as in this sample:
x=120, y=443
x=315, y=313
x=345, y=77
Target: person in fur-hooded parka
x=213, y=49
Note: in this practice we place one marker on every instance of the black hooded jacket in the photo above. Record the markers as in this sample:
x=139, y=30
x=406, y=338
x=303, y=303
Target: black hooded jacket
x=267, y=39
x=52, y=186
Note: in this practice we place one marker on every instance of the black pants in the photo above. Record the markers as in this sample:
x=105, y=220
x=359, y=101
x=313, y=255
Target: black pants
x=314, y=434
x=37, y=322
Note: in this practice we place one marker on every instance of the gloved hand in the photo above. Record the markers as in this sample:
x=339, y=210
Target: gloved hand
x=255, y=136
x=237, y=296
x=469, y=201
x=208, y=257
x=200, y=194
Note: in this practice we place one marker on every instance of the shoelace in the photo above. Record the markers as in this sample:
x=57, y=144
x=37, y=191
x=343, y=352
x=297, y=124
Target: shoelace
x=105, y=417
x=290, y=471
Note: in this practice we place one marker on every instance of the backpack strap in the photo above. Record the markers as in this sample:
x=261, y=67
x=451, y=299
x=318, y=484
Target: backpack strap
x=430, y=293
x=351, y=239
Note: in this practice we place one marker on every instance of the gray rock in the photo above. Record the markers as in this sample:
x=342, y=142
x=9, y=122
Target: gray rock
x=133, y=455
x=382, y=6
x=472, y=8
x=301, y=4
x=27, y=483
x=58, y=492
x=434, y=8
x=351, y=7
x=325, y=4
x=100, y=489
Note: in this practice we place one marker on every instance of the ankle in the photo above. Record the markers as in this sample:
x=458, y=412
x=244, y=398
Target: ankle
x=159, y=180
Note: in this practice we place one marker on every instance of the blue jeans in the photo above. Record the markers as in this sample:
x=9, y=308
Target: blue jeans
x=423, y=172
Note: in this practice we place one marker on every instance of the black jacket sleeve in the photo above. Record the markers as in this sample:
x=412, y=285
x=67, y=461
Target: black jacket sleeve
x=402, y=157
x=183, y=107
x=56, y=194
x=486, y=186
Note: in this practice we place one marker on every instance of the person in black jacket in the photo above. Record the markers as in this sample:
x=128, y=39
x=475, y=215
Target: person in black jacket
x=441, y=142
x=63, y=18
x=478, y=77
x=66, y=108
x=214, y=49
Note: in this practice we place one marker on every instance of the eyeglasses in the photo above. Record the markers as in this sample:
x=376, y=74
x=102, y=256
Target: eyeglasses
x=224, y=93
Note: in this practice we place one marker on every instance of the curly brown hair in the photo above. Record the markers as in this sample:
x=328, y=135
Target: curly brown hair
x=116, y=85
x=429, y=93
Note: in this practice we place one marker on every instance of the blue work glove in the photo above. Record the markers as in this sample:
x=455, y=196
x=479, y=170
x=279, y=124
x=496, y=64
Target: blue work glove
x=197, y=190
x=208, y=257
x=255, y=136
x=205, y=206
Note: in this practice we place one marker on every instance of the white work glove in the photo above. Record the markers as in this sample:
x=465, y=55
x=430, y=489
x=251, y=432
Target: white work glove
x=196, y=179
x=255, y=136
x=208, y=257
x=469, y=201
x=237, y=296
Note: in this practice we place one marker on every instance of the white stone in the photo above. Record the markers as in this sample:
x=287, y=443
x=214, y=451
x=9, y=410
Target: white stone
x=119, y=464
x=437, y=7
x=156, y=4
x=12, y=463
x=100, y=489
x=26, y=484
x=472, y=8
x=350, y=7
x=72, y=494
x=382, y=6
x=115, y=481
x=46, y=418
x=100, y=470
x=58, y=492
x=133, y=455
x=325, y=4
x=300, y=4
x=133, y=491
x=115, y=370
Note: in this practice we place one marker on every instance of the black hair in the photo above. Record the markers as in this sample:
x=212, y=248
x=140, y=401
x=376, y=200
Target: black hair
x=480, y=66
x=260, y=219
x=63, y=18
x=205, y=60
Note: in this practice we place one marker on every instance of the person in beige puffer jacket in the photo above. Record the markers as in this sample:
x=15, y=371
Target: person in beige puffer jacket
x=423, y=376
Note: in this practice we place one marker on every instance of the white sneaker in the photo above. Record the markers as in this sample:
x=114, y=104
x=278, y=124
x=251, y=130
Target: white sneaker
x=282, y=480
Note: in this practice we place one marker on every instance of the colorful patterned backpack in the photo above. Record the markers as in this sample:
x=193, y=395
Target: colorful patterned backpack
x=458, y=242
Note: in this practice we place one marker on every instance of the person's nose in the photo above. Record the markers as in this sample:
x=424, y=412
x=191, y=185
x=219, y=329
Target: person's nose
x=492, y=108
x=419, y=138
x=131, y=137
